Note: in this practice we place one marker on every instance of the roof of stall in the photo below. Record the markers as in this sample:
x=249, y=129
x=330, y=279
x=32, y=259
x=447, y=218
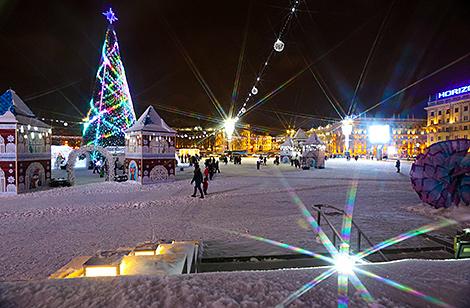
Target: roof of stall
x=288, y=143
x=14, y=110
x=300, y=134
x=150, y=121
x=313, y=139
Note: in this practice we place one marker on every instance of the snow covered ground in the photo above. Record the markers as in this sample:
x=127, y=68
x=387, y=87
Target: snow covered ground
x=42, y=231
x=448, y=281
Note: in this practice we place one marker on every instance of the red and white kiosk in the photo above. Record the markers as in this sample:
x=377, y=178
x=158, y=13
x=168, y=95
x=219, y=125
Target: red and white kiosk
x=150, y=149
x=25, y=147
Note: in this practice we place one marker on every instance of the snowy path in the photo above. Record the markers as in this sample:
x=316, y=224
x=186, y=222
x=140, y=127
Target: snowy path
x=42, y=231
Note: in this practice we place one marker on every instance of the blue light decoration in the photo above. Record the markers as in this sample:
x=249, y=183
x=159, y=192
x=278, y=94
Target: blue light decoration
x=111, y=108
x=453, y=92
x=110, y=16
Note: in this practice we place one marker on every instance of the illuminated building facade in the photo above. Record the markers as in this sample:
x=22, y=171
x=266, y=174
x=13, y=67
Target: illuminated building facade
x=211, y=140
x=448, y=115
x=407, y=137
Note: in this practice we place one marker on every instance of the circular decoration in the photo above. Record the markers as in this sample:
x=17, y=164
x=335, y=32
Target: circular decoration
x=278, y=45
x=10, y=138
x=158, y=173
x=146, y=172
x=21, y=179
x=254, y=91
x=10, y=171
x=48, y=174
x=440, y=176
x=11, y=179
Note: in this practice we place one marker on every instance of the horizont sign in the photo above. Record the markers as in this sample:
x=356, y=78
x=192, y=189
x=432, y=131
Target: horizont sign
x=456, y=91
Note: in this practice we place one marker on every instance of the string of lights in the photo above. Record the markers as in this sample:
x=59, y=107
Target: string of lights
x=277, y=48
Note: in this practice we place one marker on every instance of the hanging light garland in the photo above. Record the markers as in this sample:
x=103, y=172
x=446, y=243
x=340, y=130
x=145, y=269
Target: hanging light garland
x=277, y=47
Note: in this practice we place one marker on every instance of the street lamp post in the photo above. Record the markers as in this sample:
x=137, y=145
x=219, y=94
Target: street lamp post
x=229, y=127
x=346, y=128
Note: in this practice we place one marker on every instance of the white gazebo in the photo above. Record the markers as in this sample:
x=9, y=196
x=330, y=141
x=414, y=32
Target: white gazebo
x=150, y=149
x=286, y=150
x=313, y=152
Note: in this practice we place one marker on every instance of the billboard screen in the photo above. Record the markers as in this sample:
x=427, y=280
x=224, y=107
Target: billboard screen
x=379, y=134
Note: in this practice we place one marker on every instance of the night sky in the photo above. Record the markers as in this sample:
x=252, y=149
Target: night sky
x=50, y=52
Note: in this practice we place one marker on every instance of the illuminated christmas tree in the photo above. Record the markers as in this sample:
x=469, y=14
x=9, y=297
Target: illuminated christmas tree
x=111, y=110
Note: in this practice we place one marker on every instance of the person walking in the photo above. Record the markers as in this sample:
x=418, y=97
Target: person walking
x=397, y=165
x=205, y=183
x=197, y=180
x=211, y=169
x=258, y=163
x=265, y=159
x=217, y=169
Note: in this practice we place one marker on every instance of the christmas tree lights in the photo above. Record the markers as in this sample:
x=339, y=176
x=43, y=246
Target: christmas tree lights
x=111, y=109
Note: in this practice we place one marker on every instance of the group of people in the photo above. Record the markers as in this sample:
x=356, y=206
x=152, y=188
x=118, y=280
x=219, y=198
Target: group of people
x=237, y=159
x=100, y=167
x=295, y=162
x=211, y=167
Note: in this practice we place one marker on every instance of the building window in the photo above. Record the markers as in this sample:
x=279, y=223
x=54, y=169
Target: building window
x=456, y=110
x=440, y=112
x=465, y=127
x=465, y=118
x=432, y=139
x=432, y=113
x=447, y=137
x=447, y=129
x=447, y=120
x=438, y=138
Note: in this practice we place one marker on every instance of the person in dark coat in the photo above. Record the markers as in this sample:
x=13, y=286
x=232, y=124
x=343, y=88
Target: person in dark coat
x=265, y=159
x=217, y=169
x=397, y=165
x=197, y=180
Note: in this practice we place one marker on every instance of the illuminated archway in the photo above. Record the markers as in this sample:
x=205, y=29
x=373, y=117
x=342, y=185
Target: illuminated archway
x=84, y=150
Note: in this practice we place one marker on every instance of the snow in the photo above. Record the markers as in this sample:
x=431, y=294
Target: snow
x=446, y=280
x=44, y=230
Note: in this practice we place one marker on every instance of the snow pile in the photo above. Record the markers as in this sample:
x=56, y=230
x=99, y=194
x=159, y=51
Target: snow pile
x=448, y=281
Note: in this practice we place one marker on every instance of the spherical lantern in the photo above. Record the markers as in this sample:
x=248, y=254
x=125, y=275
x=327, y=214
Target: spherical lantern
x=254, y=91
x=278, y=45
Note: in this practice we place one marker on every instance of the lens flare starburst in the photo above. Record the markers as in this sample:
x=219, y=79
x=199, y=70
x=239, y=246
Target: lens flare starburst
x=344, y=263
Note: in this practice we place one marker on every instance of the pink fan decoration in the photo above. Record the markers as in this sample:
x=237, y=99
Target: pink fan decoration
x=441, y=176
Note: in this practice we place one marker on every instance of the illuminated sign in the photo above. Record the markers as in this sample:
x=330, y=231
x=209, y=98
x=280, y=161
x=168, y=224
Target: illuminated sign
x=456, y=91
x=379, y=134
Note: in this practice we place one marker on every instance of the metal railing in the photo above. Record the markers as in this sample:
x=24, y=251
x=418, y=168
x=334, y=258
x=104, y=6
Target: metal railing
x=336, y=236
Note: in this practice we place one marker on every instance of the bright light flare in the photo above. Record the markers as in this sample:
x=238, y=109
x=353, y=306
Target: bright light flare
x=229, y=127
x=344, y=263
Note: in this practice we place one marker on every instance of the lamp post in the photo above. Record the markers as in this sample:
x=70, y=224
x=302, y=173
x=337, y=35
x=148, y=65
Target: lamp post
x=346, y=128
x=229, y=127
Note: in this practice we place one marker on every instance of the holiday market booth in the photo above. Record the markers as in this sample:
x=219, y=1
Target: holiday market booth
x=286, y=150
x=313, y=153
x=25, y=147
x=150, y=149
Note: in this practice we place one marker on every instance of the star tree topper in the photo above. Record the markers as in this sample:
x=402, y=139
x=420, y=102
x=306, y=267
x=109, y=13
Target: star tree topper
x=110, y=16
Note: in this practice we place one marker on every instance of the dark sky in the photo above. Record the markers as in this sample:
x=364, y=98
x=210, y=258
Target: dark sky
x=47, y=45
